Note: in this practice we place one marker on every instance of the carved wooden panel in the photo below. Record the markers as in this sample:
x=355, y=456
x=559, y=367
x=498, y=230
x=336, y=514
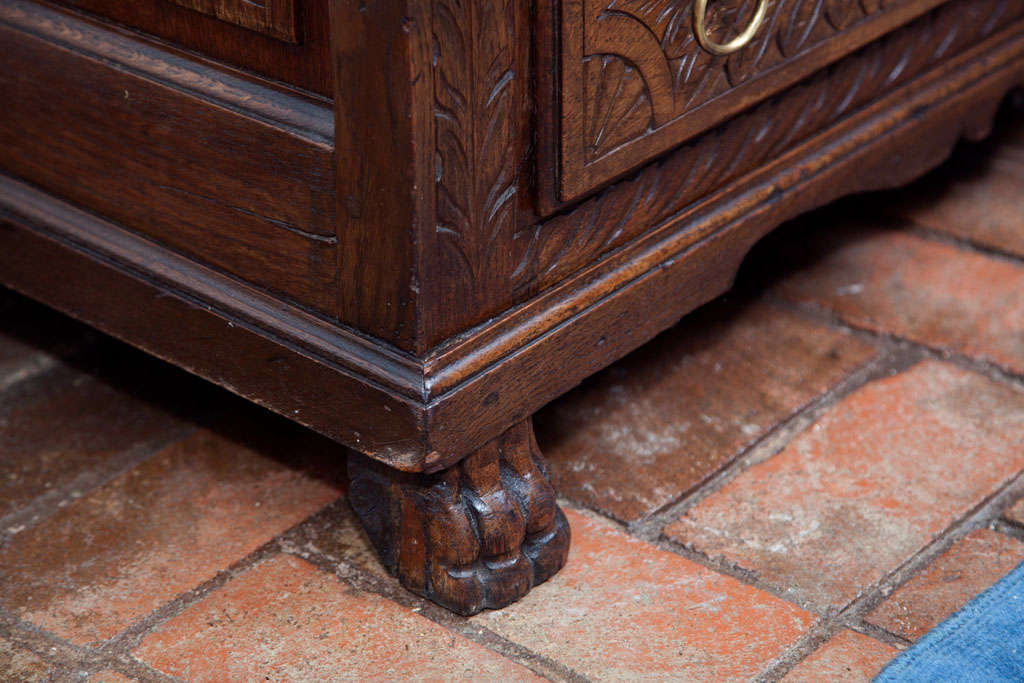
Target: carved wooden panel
x=635, y=82
x=555, y=248
x=477, y=113
x=274, y=18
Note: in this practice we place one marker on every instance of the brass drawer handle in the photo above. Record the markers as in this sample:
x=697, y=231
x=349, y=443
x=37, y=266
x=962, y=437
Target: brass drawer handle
x=700, y=9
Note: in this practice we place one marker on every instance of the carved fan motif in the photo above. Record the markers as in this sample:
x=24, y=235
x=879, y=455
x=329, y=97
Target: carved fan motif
x=644, y=67
x=619, y=100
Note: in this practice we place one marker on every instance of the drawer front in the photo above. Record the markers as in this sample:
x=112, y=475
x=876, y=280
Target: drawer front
x=635, y=80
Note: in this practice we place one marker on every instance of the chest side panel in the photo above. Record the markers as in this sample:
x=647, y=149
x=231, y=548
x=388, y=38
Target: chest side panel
x=285, y=40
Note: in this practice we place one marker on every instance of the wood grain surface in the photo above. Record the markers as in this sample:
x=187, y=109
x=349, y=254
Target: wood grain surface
x=409, y=299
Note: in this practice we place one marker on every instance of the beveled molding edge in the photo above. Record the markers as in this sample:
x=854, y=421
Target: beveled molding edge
x=426, y=414
x=444, y=407
x=239, y=303
x=301, y=116
x=519, y=335
x=331, y=380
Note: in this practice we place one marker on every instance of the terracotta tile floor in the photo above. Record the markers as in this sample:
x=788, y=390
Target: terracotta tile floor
x=796, y=482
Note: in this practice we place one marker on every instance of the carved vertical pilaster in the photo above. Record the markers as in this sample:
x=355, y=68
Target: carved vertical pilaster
x=479, y=82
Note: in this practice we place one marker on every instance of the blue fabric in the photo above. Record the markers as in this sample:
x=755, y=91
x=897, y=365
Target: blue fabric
x=982, y=642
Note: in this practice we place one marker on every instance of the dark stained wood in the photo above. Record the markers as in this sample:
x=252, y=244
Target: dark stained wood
x=551, y=249
x=541, y=350
x=477, y=535
x=305, y=62
x=381, y=168
x=275, y=18
x=479, y=143
x=399, y=272
x=211, y=325
x=432, y=141
x=634, y=81
x=445, y=171
x=474, y=241
x=245, y=194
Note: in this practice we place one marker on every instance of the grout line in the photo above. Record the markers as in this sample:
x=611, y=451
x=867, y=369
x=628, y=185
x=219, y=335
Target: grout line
x=47, y=504
x=1009, y=528
x=816, y=636
x=121, y=645
x=742, y=574
x=852, y=615
x=388, y=588
x=886, y=362
x=964, y=244
x=68, y=661
x=881, y=634
x=290, y=542
x=895, y=355
x=824, y=314
x=898, y=354
x=116, y=652
x=989, y=370
x=53, y=650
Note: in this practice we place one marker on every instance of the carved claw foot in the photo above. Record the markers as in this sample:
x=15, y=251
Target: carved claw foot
x=478, y=535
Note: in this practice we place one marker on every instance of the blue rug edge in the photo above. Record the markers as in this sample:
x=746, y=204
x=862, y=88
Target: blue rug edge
x=938, y=650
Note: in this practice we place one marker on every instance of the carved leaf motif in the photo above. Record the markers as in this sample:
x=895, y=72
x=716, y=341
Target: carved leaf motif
x=743, y=65
x=473, y=112
x=801, y=18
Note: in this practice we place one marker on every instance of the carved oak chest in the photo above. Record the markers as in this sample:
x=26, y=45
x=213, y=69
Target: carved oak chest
x=408, y=224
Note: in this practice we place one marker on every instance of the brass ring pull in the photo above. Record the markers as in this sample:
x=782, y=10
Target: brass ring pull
x=700, y=10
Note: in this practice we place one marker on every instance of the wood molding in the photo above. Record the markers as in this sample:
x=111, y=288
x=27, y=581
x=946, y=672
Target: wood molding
x=226, y=170
x=553, y=249
x=304, y=66
x=332, y=380
x=440, y=155
x=426, y=415
x=309, y=118
x=425, y=410
x=545, y=251
x=692, y=256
